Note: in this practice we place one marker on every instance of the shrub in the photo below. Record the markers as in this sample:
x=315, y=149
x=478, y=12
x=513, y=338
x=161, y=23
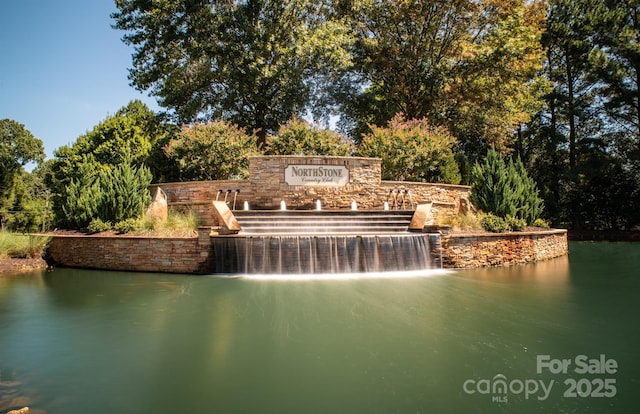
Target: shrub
x=218, y=150
x=125, y=192
x=515, y=224
x=298, y=137
x=539, y=222
x=412, y=151
x=98, y=226
x=494, y=224
x=468, y=221
x=128, y=226
x=504, y=189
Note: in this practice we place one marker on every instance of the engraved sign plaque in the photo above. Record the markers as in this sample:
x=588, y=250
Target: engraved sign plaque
x=316, y=175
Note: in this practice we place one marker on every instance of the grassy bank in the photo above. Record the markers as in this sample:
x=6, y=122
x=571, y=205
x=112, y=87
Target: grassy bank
x=21, y=246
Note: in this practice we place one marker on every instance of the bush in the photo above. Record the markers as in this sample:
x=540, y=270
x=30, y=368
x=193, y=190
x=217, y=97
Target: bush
x=215, y=151
x=412, y=151
x=298, y=137
x=515, y=224
x=128, y=226
x=125, y=193
x=505, y=189
x=98, y=226
x=494, y=224
x=539, y=222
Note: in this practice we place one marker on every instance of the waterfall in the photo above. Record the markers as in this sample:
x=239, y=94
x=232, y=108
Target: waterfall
x=320, y=254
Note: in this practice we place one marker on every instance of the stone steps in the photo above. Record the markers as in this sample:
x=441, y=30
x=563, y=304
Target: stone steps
x=323, y=222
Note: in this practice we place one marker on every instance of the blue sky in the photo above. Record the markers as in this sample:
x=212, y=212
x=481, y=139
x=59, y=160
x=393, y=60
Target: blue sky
x=63, y=69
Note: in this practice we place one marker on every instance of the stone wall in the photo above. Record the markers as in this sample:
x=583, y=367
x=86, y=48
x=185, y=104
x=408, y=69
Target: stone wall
x=193, y=255
x=141, y=254
x=502, y=249
x=267, y=187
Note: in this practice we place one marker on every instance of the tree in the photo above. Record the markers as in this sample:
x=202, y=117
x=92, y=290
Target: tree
x=297, y=137
x=213, y=151
x=497, y=86
x=82, y=199
x=18, y=147
x=254, y=63
x=130, y=135
x=124, y=192
x=505, y=189
x=469, y=65
x=412, y=151
x=111, y=195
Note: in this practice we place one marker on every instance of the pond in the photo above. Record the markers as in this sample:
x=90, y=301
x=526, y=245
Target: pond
x=556, y=336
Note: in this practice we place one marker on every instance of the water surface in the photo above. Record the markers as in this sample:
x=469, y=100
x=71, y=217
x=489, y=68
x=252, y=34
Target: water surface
x=75, y=341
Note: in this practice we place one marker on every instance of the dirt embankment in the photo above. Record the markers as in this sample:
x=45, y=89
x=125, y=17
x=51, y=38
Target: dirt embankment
x=13, y=265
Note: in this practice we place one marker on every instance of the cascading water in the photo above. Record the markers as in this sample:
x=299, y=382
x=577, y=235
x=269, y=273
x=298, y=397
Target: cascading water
x=322, y=242
x=297, y=254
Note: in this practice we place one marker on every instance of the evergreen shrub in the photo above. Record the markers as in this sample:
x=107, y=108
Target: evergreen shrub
x=505, y=189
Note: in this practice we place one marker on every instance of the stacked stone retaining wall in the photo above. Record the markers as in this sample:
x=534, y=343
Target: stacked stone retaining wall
x=193, y=255
x=142, y=254
x=267, y=187
x=502, y=249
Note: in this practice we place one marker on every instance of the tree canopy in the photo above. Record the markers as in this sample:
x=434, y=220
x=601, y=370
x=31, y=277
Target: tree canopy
x=18, y=147
x=254, y=63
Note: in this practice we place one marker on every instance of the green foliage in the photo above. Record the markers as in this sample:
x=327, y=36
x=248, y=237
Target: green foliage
x=17, y=148
x=473, y=66
x=297, y=137
x=129, y=225
x=125, y=193
x=112, y=196
x=491, y=222
x=504, y=189
x=130, y=135
x=82, y=201
x=214, y=151
x=252, y=63
x=412, y=151
x=539, y=222
x=97, y=226
x=21, y=245
x=494, y=224
x=515, y=224
x=98, y=161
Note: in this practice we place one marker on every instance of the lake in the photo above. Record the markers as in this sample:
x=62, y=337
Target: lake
x=557, y=336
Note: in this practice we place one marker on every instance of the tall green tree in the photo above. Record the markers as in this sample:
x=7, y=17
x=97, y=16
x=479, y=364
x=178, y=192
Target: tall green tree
x=130, y=135
x=616, y=27
x=571, y=114
x=255, y=62
x=469, y=65
x=18, y=147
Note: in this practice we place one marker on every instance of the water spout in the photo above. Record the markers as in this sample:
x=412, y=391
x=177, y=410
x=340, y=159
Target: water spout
x=235, y=196
x=218, y=194
x=392, y=196
x=401, y=195
x=283, y=205
x=226, y=195
x=386, y=206
x=354, y=205
x=318, y=205
x=246, y=206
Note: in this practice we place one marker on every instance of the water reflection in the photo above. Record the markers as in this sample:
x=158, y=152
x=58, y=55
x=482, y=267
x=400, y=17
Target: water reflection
x=80, y=341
